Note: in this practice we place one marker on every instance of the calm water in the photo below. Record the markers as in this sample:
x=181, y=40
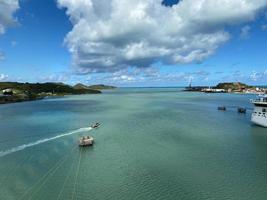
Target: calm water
x=153, y=144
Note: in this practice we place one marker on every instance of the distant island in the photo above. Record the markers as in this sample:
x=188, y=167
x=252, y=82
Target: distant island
x=11, y=92
x=230, y=87
x=234, y=86
x=94, y=87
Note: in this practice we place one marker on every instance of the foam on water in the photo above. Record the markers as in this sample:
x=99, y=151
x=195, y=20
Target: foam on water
x=24, y=146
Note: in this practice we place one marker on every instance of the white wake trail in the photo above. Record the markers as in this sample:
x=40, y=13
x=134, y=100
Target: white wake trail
x=24, y=146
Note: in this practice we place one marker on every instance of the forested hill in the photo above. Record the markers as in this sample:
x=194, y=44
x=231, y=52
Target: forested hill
x=15, y=92
x=56, y=88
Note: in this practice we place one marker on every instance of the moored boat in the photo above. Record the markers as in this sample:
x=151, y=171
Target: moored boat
x=259, y=115
x=86, y=141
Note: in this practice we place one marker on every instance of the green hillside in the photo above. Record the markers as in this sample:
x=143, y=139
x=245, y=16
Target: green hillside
x=33, y=91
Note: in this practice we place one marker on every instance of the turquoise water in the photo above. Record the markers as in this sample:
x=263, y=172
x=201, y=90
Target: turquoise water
x=154, y=143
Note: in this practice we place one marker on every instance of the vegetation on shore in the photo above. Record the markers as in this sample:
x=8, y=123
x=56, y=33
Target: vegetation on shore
x=233, y=86
x=101, y=87
x=94, y=87
x=16, y=92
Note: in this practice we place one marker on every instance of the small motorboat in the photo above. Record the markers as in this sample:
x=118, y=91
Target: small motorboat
x=86, y=141
x=96, y=125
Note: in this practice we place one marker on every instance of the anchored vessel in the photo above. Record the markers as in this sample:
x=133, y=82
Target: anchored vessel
x=86, y=141
x=259, y=115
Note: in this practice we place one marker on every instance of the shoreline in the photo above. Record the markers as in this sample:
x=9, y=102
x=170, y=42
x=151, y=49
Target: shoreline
x=14, y=92
x=228, y=87
x=13, y=101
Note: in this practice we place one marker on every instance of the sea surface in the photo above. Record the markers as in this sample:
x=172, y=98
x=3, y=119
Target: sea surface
x=153, y=144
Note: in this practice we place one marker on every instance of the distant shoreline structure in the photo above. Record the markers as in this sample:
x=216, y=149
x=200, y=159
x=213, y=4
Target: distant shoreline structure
x=228, y=87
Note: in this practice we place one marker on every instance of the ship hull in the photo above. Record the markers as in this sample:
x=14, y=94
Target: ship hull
x=258, y=117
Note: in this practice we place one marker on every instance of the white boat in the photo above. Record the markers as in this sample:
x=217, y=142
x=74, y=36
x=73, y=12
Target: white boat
x=259, y=115
x=86, y=141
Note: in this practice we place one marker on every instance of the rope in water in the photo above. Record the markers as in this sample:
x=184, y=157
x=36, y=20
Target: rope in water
x=43, y=178
x=65, y=181
x=12, y=170
x=76, y=176
x=51, y=174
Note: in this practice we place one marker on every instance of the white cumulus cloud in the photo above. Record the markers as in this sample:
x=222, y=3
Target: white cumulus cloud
x=63, y=77
x=3, y=77
x=258, y=76
x=108, y=36
x=7, y=9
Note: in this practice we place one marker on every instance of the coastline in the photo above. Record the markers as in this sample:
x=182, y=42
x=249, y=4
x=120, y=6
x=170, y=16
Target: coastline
x=12, y=100
x=14, y=92
x=229, y=87
x=79, y=89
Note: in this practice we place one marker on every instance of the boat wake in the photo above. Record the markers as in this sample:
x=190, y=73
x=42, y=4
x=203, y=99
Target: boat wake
x=24, y=146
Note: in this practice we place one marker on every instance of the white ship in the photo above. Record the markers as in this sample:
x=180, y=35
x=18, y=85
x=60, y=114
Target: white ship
x=259, y=115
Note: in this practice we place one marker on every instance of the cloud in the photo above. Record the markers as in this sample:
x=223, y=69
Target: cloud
x=245, y=32
x=254, y=76
x=143, y=76
x=237, y=75
x=2, y=56
x=108, y=36
x=64, y=77
x=7, y=9
x=264, y=27
x=3, y=77
x=14, y=43
x=258, y=76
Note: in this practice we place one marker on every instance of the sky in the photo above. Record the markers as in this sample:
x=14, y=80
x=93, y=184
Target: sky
x=134, y=42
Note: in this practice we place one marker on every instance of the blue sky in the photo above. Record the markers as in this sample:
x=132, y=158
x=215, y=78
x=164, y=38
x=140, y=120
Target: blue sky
x=49, y=42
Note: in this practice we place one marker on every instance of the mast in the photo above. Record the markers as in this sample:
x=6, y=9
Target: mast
x=190, y=82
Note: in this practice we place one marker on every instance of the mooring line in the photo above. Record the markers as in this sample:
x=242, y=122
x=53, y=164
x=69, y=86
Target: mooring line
x=44, y=176
x=51, y=174
x=26, y=158
x=76, y=177
x=10, y=171
x=65, y=181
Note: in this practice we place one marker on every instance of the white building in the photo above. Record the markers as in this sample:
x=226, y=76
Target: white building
x=7, y=91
